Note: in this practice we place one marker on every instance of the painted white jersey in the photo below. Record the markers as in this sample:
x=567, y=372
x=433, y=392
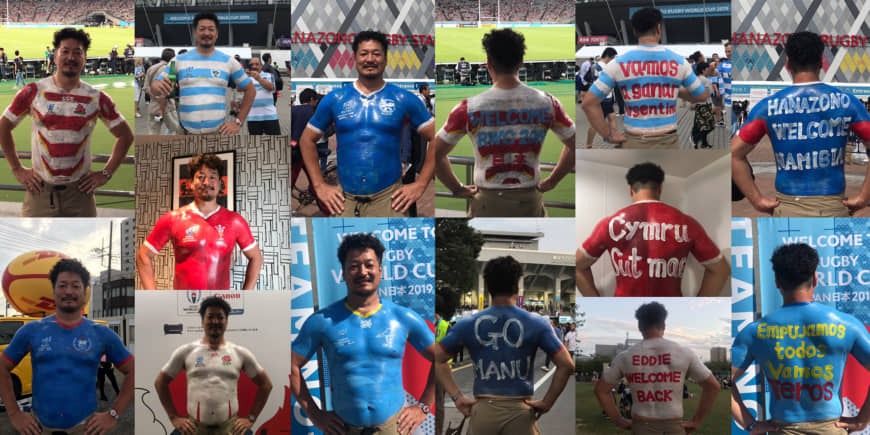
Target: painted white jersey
x=61, y=125
x=212, y=377
x=656, y=370
x=264, y=105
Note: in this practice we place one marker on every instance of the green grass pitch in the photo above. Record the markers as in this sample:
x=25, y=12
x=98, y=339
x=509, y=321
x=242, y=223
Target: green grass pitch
x=542, y=44
x=120, y=88
x=449, y=96
x=31, y=42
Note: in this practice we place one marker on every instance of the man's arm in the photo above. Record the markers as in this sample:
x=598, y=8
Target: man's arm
x=564, y=369
x=264, y=387
x=328, y=422
x=102, y=422
x=563, y=166
x=255, y=263
x=715, y=276
x=408, y=194
x=444, y=171
x=583, y=275
x=123, y=139
x=412, y=416
x=231, y=127
x=741, y=173
x=24, y=423
x=445, y=377
x=145, y=266
x=602, y=393
x=859, y=422
x=684, y=94
x=709, y=390
x=592, y=108
x=329, y=195
x=263, y=82
x=161, y=385
x=860, y=200
x=26, y=176
x=740, y=412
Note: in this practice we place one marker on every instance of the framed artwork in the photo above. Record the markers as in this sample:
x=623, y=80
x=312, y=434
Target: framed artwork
x=182, y=193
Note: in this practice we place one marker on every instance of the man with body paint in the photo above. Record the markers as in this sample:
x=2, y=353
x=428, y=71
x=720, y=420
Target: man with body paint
x=212, y=367
x=502, y=341
x=808, y=124
x=656, y=370
x=369, y=117
x=649, y=243
x=651, y=78
x=801, y=349
x=363, y=339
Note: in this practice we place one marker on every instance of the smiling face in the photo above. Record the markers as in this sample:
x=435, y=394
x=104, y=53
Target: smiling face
x=362, y=272
x=206, y=33
x=214, y=323
x=371, y=59
x=205, y=184
x=69, y=292
x=70, y=57
x=255, y=64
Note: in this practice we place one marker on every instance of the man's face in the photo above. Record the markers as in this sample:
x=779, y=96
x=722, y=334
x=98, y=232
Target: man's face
x=371, y=60
x=214, y=323
x=362, y=272
x=206, y=184
x=206, y=33
x=255, y=64
x=69, y=292
x=70, y=57
x=424, y=92
x=728, y=51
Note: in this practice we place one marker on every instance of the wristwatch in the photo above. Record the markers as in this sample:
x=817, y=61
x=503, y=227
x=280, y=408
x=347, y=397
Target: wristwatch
x=456, y=397
x=114, y=413
x=252, y=417
x=751, y=426
x=106, y=174
x=238, y=122
x=461, y=186
x=424, y=407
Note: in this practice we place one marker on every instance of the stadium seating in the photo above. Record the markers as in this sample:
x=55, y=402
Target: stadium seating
x=528, y=11
x=65, y=11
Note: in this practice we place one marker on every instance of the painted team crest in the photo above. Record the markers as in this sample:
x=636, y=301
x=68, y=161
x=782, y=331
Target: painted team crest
x=215, y=73
x=51, y=108
x=220, y=230
x=387, y=335
x=193, y=296
x=347, y=111
x=82, y=344
x=190, y=234
x=80, y=109
x=365, y=323
x=199, y=362
x=227, y=361
x=387, y=106
x=45, y=345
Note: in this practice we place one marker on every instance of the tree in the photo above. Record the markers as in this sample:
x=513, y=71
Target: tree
x=457, y=246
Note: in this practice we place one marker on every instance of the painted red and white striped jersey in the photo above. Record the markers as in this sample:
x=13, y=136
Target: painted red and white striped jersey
x=62, y=122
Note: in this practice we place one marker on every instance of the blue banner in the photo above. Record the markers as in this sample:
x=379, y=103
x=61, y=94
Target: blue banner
x=691, y=11
x=743, y=307
x=223, y=17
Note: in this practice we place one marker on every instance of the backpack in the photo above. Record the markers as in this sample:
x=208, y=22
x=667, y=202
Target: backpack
x=590, y=75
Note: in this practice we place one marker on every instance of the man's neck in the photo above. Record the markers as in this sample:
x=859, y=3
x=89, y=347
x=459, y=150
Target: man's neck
x=68, y=319
x=505, y=301
x=805, y=77
x=644, y=195
x=363, y=304
x=206, y=207
x=648, y=40
x=798, y=296
x=205, y=51
x=653, y=334
x=213, y=343
x=506, y=81
x=368, y=86
x=66, y=83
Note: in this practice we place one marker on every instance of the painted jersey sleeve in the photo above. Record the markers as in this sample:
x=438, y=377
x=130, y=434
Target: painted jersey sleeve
x=549, y=341
x=250, y=365
x=596, y=243
x=417, y=112
x=20, y=106
x=244, y=238
x=323, y=115
x=309, y=338
x=740, y=355
x=109, y=113
x=237, y=74
x=861, y=346
x=605, y=83
x=114, y=347
x=20, y=345
x=176, y=361
x=419, y=334
x=861, y=119
x=755, y=127
x=457, y=124
x=452, y=342
x=697, y=370
x=691, y=81
x=562, y=124
x=615, y=372
x=703, y=247
x=160, y=234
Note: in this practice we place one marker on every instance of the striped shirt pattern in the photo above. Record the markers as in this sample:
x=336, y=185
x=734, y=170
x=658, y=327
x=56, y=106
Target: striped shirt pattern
x=725, y=80
x=264, y=105
x=203, y=81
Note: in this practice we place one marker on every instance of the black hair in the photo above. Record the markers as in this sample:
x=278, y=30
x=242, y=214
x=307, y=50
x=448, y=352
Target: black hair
x=167, y=54
x=502, y=276
x=208, y=160
x=69, y=265
x=213, y=301
x=423, y=86
x=649, y=315
x=794, y=265
x=701, y=66
x=266, y=57
x=804, y=51
x=645, y=20
x=362, y=242
x=307, y=95
x=645, y=176
x=608, y=52
x=505, y=50
x=71, y=33
x=205, y=16
x=370, y=35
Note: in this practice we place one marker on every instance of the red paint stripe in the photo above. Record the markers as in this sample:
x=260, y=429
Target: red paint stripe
x=129, y=358
x=66, y=171
x=445, y=349
x=69, y=326
x=61, y=122
x=68, y=149
x=230, y=408
x=197, y=411
x=54, y=96
x=14, y=363
x=514, y=147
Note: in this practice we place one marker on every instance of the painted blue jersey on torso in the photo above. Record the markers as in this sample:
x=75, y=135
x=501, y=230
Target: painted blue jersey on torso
x=364, y=356
x=65, y=362
x=802, y=349
x=808, y=125
x=368, y=129
x=502, y=341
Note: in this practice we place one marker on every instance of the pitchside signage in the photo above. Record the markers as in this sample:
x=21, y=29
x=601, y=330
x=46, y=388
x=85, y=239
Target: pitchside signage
x=778, y=38
x=223, y=17
x=691, y=11
x=743, y=306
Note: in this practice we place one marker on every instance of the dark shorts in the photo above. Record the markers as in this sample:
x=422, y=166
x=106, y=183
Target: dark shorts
x=607, y=107
x=271, y=127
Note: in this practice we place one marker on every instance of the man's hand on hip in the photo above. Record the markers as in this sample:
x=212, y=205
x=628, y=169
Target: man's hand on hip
x=183, y=424
x=92, y=181
x=410, y=418
x=29, y=179
x=100, y=423
x=25, y=423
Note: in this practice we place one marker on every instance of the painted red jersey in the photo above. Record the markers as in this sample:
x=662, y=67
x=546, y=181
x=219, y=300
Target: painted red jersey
x=649, y=244
x=203, y=245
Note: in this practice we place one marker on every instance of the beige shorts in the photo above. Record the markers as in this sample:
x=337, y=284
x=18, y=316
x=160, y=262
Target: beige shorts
x=663, y=427
x=59, y=201
x=78, y=429
x=389, y=427
x=375, y=205
x=225, y=428
x=810, y=206
x=663, y=141
x=507, y=203
x=822, y=427
x=503, y=416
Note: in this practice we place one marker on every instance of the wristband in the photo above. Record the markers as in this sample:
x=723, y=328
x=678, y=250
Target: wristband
x=751, y=426
x=456, y=397
x=461, y=186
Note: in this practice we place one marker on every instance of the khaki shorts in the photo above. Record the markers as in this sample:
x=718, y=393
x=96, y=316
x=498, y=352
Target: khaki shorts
x=507, y=203
x=822, y=427
x=663, y=141
x=59, y=201
x=375, y=205
x=663, y=427
x=503, y=416
x=225, y=428
x=810, y=206
x=78, y=429
x=389, y=427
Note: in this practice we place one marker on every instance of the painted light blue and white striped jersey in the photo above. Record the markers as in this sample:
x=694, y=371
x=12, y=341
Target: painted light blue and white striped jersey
x=650, y=78
x=264, y=105
x=203, y=82
x=725, y=80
